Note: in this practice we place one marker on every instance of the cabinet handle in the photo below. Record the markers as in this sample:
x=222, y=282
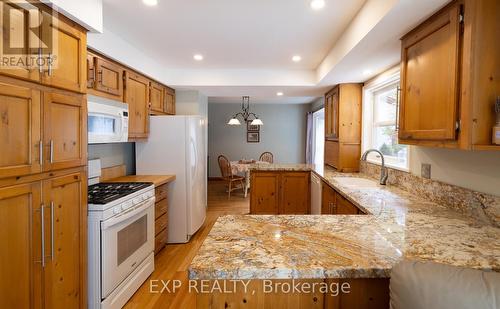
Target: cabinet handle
x=99, y=76
x=42, y=224
x=40, y=64
x=52, y=230
x=40, y=149
x=51, y=151
x=398, y=97
x=49, y=71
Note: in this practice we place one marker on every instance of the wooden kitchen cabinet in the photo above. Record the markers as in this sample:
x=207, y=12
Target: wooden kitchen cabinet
x=327, y=199
x=109, y=78
x=264, y=193
x=21, y=12
x=295, y=193
x=169, y=96
x=65, y=200
x=43, y=183
x=333, y=203
x=20, y=239
x=68, y=69
x=137, y=98
x=20, y=131
x=280, y=193
x=157, y=98
x=459, y=47
x=65, y=65
x=32, y=148
x=161, y=217
x=59, y=279
x=344, y=207
x=64, y=130
x=332, y=114
x=429, y=106
x=343, y=127
x=104, y=77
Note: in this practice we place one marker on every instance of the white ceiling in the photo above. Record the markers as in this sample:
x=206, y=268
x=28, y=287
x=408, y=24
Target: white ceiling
x=248, y=44
x=258, y=34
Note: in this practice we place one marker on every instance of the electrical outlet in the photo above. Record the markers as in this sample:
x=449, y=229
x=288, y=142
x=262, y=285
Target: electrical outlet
x=426, y=170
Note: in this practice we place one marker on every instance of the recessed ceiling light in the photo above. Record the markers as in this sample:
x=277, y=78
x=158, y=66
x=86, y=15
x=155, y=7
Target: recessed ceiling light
x=150, y=2
x=198, y=57
x=317, y=4
x=367, y=72
x=296, y=58
x=279, y=94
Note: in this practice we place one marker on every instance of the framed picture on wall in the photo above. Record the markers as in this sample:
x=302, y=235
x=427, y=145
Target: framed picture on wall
x=252, y=128
x=253, y=137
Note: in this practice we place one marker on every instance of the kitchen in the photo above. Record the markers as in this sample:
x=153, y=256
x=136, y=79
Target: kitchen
x=358, y=160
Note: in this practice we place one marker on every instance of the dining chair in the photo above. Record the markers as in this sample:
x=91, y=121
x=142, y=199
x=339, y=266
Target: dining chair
x=227, y=175
x=266, y=157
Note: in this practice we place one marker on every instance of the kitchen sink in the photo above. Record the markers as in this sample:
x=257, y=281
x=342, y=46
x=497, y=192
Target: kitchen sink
x=356, y=182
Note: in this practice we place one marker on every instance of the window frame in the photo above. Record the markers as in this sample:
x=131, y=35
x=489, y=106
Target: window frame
x=385, y=80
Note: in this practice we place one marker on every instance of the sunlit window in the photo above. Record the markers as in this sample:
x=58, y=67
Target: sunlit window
x=380, y=122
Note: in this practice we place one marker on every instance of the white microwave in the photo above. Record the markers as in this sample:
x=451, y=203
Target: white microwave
x=107, y=121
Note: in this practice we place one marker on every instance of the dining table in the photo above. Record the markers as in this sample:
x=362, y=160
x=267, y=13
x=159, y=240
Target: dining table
x=242, y=167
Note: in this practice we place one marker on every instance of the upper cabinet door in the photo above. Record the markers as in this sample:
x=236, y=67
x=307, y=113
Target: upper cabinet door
x=20, y=139
x=169, y=101
x=109, y=78
x=20, y=41
x=67, y=65
x=137, y=97
x=332, y=114
x=20, y=240
x=65, y=230
x=65, y=131
x=156, y=94
x=430, y=78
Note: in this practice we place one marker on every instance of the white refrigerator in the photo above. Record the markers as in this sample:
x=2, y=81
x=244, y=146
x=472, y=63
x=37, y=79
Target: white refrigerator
x=177, y=145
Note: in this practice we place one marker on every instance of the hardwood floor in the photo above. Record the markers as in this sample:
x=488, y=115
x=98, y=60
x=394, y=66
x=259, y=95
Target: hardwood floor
x=173, y=261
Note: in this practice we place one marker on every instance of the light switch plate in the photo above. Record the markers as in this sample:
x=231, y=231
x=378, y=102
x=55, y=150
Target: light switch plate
x=426, y=170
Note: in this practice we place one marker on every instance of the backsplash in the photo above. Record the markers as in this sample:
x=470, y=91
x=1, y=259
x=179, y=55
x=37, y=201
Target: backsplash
x=482, y=206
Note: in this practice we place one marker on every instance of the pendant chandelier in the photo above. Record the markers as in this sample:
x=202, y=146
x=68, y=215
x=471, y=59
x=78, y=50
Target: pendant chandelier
x=245, y=114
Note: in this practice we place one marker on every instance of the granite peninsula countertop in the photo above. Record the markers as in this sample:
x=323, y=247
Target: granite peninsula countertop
x=398, y=225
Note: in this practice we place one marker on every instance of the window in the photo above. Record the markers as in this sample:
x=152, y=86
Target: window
x=379, y=121
x=318, y=136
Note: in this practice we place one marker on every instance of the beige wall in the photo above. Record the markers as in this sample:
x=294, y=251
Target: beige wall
x=475, y=170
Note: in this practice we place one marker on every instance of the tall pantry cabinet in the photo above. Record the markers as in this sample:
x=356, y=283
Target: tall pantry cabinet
x=43, y=174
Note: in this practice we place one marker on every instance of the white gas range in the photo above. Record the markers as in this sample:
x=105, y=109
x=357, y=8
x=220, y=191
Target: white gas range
x=120, y=240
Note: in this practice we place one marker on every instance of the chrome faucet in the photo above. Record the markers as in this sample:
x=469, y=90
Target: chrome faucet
x=383, y=171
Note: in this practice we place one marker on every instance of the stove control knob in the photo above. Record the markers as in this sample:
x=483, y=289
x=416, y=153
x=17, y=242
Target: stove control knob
x=127, y=205
x=117, y=209
x=137, y=200
x=145, y=196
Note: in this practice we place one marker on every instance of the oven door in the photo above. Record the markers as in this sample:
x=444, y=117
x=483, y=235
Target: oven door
x=126, y=240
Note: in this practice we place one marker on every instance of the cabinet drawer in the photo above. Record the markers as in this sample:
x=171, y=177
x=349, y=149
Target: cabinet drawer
x=161, y=208
x=161, y=192
x=161, y=223
x=161, y=240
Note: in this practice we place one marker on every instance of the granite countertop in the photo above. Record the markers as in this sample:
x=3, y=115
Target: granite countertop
x=281, y=167
x=398, y=225
x=157, y=180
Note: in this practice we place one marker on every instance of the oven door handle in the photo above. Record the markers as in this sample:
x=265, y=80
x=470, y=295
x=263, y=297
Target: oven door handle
x=128, y=214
